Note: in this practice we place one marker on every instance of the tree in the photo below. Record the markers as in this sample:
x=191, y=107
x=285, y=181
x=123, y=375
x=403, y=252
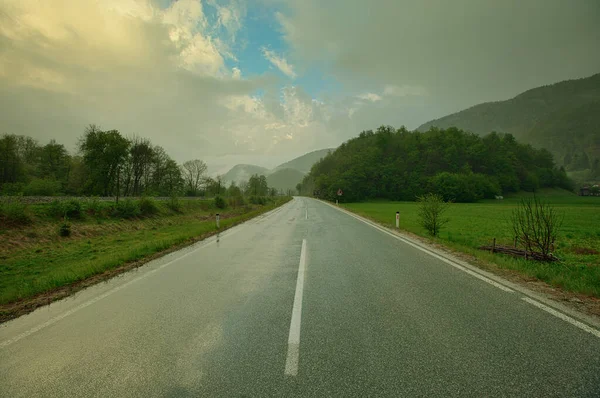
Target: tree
x=104, y=153
x=11, y=164
x=141, y=157
x=54, y=162
x=431, y=210
x=193, y=174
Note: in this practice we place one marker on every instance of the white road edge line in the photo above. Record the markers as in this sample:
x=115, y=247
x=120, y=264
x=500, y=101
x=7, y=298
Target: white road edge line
x=558, y=308
x=307, y=213
x=562, y=316
x=293, y=354
x=57, y=318
x=423, y=249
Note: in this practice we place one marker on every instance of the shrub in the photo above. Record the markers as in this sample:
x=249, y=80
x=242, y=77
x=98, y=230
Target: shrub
x=174, y=204
x=148, y=207
x=93, y=207
x=13, y=213
x=65, y=229
x=12, y=189
x=220, y=202
x=72, y=208
x=42, y=187
x=236, y=201
x=536, y=225
x=127, y=209
x=431, y=210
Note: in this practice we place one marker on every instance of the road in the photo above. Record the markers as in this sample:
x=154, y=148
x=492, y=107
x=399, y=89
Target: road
x=303, y=301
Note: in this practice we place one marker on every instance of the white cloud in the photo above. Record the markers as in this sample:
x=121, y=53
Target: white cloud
x=396, y=91
x=236, y=73
x=369, y=97
x=279, y=62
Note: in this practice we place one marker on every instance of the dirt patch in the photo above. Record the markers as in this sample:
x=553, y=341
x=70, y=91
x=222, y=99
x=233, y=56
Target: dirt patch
x=583, y=250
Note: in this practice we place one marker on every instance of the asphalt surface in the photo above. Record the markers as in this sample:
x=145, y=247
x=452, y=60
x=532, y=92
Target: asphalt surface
x=378, y=318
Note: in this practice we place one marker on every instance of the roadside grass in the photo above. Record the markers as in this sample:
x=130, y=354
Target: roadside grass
x=475, y=224
x=44, y=262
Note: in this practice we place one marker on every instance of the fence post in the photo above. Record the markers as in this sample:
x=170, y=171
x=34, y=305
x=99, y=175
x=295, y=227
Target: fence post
x=397, y=219
x=494, y=245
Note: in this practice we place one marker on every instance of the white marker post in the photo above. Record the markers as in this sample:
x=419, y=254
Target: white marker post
x=218, y=224
x=397, y=219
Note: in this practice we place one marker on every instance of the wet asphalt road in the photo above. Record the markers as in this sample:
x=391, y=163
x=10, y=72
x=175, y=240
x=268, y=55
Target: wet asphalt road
x=379, y=318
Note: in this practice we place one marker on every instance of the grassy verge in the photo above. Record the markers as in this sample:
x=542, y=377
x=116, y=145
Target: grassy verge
x=39, y=262
x=475, y=224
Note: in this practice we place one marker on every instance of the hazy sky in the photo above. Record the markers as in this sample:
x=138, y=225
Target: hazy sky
x=263, y=81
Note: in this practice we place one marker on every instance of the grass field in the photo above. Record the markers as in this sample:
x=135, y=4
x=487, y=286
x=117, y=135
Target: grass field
x=34, y=259
x=475, y=224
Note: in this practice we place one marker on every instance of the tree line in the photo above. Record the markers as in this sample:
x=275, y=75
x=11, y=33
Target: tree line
x=108, y=164
x=398, y=164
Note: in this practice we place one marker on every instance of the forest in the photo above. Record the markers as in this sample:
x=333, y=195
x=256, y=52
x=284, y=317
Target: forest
x=397, y=164
x=108, y=164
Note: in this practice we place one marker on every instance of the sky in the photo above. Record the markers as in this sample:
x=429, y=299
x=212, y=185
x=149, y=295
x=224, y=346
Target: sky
x=264, y=81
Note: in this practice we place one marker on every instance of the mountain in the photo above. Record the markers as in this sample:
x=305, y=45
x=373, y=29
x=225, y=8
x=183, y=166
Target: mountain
x=243, y=172
x=304, y=162
x=284, y=179
x=285, y=176
x=562, y=117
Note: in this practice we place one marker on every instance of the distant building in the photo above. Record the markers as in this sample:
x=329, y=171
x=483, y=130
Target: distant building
x=585, y=191
x=593, y=190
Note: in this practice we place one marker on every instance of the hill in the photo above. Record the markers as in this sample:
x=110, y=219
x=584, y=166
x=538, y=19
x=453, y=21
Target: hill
x=305, y=162
x=243, y=172
x=546, y=116
x=462, y=167
x=284, y=179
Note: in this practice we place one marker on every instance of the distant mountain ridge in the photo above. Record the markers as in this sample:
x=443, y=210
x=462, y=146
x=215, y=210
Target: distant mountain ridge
x=563, y=117
x=283, y=177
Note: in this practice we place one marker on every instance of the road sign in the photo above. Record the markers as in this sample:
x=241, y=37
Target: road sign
x=339, y=192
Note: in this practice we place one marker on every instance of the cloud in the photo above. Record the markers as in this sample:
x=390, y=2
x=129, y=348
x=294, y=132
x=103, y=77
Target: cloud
x=279, y=62
x=369, y=97
x=461, y=52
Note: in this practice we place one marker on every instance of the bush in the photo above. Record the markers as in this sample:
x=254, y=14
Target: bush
x=431, y=209
x=174, y=204
x=536, y=225
x=65, y=229
x=93, y=207
x=236, y=201
x=127, y=209
x=220, y=202
x=71, y=209
x=12, y=189
x=148, y=207
x=42, y=187
x=464, y=188
x=13, y=213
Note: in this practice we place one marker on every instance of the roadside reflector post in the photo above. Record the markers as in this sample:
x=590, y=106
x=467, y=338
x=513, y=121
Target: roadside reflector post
x=218, y=224
x=336, y=202
x=397, y=219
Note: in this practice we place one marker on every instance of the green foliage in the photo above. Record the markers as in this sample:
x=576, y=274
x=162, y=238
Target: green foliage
x=148, y=206
x=174, y=204
x=12, y=189
x=127, y=209
x=70, y=208
x=257, y=186
x=13, y=213
x=42, y=187
x=257, y=200
x=220, y=202
x=431, y=211
x=65, y=229
x=402, y=165
x=236, y=201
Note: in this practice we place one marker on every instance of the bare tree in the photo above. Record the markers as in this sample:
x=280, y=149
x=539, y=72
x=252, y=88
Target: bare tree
x=431, y=210
x=536, y=225
x=193, y=173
